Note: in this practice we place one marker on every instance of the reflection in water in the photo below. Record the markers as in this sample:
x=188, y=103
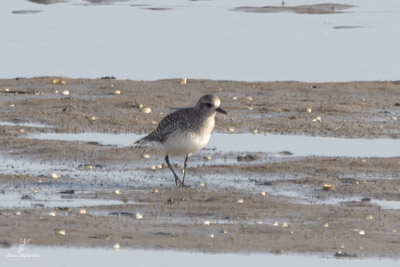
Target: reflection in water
x=105, y=1
x=46, y=2
x=303, y=9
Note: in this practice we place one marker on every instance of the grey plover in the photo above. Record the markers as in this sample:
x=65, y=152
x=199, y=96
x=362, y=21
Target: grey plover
x=186, y=131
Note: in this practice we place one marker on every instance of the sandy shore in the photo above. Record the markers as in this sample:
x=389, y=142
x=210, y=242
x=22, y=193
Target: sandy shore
x=240, y=218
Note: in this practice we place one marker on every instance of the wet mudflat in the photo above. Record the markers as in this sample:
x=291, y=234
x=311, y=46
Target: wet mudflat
x=57, y=190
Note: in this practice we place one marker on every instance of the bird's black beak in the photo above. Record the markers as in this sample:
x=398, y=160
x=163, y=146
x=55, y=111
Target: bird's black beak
x=220, y=110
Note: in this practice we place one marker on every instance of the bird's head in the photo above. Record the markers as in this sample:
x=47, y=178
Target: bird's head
x=210, y=103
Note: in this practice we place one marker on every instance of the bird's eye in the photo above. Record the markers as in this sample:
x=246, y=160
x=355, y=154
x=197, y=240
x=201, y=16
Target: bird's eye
x=209, y=105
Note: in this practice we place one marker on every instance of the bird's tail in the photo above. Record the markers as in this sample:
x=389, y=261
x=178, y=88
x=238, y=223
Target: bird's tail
x=143, y=141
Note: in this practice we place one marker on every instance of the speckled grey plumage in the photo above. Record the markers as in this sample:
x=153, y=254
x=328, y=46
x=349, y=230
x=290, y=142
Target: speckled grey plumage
x=183, y=120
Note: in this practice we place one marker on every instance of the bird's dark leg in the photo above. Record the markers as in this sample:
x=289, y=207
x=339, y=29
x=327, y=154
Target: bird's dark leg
x=184, y=171
x=177, y=181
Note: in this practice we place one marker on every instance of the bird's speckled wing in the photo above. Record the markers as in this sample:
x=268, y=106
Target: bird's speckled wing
x=180, y=120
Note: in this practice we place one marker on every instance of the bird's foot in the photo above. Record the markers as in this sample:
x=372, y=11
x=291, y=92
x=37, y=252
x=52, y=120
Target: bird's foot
x=178, y=182
x=183, y=185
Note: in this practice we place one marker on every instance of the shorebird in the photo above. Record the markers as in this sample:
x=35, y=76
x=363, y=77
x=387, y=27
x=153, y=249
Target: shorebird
x=186, y=131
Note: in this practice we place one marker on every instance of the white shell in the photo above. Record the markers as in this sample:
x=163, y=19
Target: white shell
x=82, y=212
x=139, y=216
x=65, y=92
x=61, y=232
x=54, y=175
x=146, y=110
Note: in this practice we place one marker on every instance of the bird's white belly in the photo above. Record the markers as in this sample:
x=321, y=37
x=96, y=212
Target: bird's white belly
x=185, y=144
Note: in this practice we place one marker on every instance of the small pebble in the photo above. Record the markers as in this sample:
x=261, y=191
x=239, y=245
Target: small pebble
x=255, y=131
x=361, y=232
x=263, y=193
x=317, y=119
x=250, y=98
x=54, y=175
x=250, y=108
x=240, y=200
x=368, y=217
x=117, y=192
x=208, y=158
x=139, y=216
x=159, y=166
x=231, y=130
x=153, y=167
x=12, y=105
x=285, y=225
x=82, y=212
x=328, y=187
x=7, y=90
x=202, y=184
x=61, y=232
x=117, y=92
x=326, y=225
x=93, y=118
x=394, y=230
x=276, y=224
x=225, y=231
x=116, y=246
x=184, y=81
x=18, y=213
x=206, y=222
x=65, y=92
x=21, y=130
x=156, y=190
x=212, y=236
x=146, y=156
x=52, y=213
x=234, y=98
x=309, y=110
x=35, y=191
x=146, y=110
x=259, y=222
x=89, y=167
